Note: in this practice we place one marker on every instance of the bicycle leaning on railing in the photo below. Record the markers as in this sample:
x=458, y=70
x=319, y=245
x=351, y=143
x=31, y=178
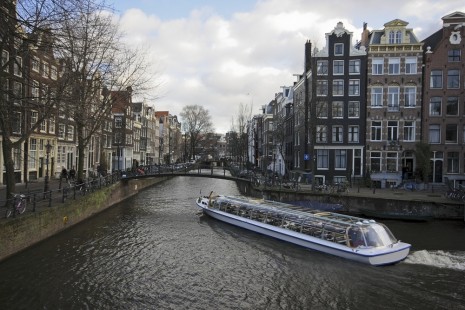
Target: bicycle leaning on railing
x=18, y=206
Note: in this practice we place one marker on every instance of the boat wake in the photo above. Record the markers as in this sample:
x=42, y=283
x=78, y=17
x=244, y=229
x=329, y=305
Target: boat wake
x=439, y=258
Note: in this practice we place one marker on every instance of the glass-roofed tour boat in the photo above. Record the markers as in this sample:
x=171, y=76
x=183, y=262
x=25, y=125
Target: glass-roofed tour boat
x=342, y=235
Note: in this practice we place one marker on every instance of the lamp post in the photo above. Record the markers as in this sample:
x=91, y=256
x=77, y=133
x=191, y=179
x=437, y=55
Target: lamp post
x=48, y=148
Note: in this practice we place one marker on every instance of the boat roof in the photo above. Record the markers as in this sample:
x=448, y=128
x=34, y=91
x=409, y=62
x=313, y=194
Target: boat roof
x=292, y=211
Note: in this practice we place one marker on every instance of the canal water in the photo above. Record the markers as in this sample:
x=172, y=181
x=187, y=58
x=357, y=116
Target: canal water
x=155, y=251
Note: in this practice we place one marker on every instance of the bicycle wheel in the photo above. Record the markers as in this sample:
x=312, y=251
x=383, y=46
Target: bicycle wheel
x=9, y=212
x=21, y=206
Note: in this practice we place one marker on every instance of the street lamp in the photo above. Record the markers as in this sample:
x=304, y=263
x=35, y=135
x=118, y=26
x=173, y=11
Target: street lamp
x=48, y=148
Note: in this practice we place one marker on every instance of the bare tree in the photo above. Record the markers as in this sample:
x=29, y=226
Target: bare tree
x=26, y=28
x=96, y=62
x=239, y=126
x=196, y=123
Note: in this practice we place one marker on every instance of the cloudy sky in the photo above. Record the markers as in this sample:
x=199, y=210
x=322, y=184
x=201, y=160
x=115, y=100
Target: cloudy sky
x=221, y=53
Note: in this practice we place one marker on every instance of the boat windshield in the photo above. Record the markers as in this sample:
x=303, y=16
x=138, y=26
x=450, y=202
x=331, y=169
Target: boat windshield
x=377, y=235
x=373, y=235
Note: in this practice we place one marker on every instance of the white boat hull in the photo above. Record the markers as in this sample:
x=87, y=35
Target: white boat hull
x=374, y=256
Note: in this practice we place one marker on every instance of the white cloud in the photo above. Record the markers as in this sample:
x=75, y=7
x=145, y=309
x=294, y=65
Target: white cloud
x=220, y=63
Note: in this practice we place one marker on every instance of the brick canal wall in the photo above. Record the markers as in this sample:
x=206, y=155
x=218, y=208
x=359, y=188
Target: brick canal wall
x=17, y=234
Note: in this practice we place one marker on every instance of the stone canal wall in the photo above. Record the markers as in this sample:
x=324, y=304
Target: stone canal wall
x=353, y=204
x=16, y=234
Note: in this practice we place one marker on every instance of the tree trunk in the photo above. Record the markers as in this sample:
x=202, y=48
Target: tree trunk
x=9, y=166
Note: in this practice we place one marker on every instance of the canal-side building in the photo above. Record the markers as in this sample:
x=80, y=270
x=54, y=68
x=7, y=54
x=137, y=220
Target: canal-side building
x=444, y=99
x=122, y=129
x=394, y=90
x=283, y=128
x=337, y=111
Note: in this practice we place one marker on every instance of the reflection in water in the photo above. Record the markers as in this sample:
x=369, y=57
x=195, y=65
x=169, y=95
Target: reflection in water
x=156, y=251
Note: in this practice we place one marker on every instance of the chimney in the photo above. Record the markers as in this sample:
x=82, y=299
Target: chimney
x=365, y=34
x=308, y=56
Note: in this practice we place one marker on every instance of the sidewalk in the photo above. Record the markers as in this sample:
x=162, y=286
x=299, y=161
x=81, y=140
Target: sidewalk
x=31, y=187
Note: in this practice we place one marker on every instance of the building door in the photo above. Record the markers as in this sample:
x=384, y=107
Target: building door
x=436, y=164
x=41, y=167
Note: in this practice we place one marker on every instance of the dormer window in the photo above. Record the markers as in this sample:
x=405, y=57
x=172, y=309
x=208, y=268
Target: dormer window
x=398, y=37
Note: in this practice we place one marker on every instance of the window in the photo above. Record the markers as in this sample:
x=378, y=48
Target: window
x=61, y=131
x=321, y=133
x=118, y=138
x=322, y=67
x=436, y=79
x=322, y=109
x=375, y=131
x=34, y=118
x=70, y=133
x=375, y=161
x=339, y=49
x=394, y=65
x=453, y=79
x=393, y=98
x=434, y=134
x=391, y=162
x=45, y=69
x=451, y=133
x=453, y=55
x=118, y=122
x=452, y=162
x=338, y=88
x=338, y=67
x=392, y=37
x=18, y=66
x=337, y=134
x=354, y=109
x=17, y=121
x=435, y=106
x=340, y=157
x=322, y=88
x=377, y=66
x=53, y=73
x=18, y=92
x=376, y=96
x=322, y=159
x=35, y=64
x=354, y=87
x=338, y=109
x=354, y=66
x=410, y=65
x=393, y=130
x=17, y=157
x=5, y=59
x=409, y=131
x=43, y=126
x=35, y=90
x=353, y=134
x=398, y=37
x=452, y=107
x=51, y=125
x=32, y=156
x=410, y=96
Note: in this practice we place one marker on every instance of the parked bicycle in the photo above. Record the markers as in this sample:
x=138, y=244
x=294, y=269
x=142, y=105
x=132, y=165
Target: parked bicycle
x=18, y=207
x=411, y=186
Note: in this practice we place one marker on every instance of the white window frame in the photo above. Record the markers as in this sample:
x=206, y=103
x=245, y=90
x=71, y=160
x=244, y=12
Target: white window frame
x=411, y=65
x=377, y=96
x=393, y=65
x=377, y=66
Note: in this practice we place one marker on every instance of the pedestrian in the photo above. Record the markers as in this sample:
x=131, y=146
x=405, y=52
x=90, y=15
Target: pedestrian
x=64, y=173
x=72, y=174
